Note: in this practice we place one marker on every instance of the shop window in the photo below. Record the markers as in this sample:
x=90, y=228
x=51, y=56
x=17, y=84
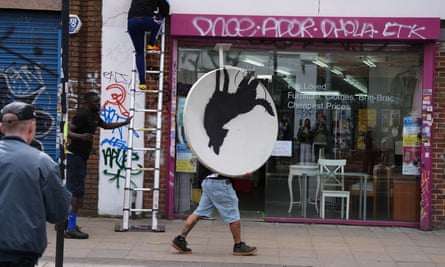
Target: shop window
x=361, y=102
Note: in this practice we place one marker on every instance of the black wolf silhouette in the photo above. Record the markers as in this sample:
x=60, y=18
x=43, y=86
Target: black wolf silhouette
x=224, y=106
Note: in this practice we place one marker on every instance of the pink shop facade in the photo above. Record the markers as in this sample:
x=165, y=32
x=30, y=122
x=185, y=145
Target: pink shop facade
x=369, y=81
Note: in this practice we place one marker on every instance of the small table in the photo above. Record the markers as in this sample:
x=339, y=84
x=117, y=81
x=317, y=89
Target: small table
x=298, y=170
x=363, y=186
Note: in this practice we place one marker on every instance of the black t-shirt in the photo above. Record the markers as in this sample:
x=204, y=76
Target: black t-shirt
x=85, y=121
x=148, y=8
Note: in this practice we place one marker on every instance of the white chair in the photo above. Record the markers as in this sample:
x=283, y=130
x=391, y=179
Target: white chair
x=334, y=194
x=332, y=184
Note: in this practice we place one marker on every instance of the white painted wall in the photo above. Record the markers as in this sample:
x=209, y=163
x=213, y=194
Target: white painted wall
x=116, y=75
x=343, y=8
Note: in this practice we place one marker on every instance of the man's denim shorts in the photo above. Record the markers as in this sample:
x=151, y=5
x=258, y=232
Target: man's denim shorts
x=219, y=194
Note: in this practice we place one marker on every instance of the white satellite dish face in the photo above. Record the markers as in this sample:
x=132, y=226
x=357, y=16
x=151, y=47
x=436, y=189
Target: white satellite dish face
x=230, y=121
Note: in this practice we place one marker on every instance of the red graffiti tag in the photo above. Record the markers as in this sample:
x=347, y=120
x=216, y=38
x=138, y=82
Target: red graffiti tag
x=118, y=95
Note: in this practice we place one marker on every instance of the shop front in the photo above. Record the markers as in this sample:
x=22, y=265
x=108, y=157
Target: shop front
x=355, y=90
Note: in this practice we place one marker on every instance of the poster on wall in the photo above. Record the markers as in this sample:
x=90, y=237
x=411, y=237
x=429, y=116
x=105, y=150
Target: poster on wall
x=411, y=146
x=367, y=120
x=185, y=160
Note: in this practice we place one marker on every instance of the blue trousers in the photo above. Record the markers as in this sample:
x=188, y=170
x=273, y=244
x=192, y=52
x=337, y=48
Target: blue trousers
x=137, y=27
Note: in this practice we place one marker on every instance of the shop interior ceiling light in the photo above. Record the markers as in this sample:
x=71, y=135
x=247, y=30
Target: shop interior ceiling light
x=369, y=63
x=337, y=71
x=253, y=61
x=320, y=63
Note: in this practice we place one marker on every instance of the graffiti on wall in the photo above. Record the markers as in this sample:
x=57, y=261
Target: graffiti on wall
x=117, y=95
x=424, y=204
x=23, y=79
x=307, y=27
x=17, y=84
x=304, y=27
x=114, y=147
x=72, y=97
x=115, y=161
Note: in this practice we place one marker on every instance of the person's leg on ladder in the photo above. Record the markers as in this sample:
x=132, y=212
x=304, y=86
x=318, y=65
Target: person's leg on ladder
x=137, y=35
x=154, y=32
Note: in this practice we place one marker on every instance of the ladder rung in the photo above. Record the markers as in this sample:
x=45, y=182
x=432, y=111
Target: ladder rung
x=143, y=210
x=147, y=129
x=145, y=148
x=150, y=91
x=153, y=51
x=153, y=71
x=148, y=110
x=156, y=91
x=143, y=169
x=142, y=189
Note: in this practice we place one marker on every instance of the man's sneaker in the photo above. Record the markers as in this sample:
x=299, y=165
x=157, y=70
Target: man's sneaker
x=180, y=245
x=153, y=47
x=76, y=234
x=242, y=249
x=142, y=86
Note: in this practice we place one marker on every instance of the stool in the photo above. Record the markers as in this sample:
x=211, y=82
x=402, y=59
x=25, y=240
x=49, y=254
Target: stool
x=336, y=194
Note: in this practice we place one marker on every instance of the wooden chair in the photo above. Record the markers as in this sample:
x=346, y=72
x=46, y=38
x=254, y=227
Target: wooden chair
x=381, y=174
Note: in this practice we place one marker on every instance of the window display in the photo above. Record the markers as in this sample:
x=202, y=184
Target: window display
x=335, y=101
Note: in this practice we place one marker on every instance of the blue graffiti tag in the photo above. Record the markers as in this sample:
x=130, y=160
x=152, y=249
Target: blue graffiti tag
x=111, y=115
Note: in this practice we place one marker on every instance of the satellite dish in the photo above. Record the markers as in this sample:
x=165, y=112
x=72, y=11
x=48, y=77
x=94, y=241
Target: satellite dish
x=230, y=121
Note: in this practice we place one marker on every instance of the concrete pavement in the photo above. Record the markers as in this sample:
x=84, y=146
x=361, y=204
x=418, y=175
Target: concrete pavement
x=278, y=244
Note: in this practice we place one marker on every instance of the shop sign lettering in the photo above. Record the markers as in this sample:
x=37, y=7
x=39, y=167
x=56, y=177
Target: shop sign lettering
x=305, y=27
x=311, y=86
x=336, y=102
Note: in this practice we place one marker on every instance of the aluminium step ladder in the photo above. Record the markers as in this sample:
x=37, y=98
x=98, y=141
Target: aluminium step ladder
x=152, y=169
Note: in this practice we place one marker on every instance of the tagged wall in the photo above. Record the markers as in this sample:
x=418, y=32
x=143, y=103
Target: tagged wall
x=116, y=76
x=29, y=67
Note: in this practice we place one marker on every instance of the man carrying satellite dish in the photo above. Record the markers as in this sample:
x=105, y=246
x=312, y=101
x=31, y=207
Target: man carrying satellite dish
x=221, y=116
x=217, y=192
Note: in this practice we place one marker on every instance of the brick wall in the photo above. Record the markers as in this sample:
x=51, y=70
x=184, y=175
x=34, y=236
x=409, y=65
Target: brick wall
x=438, y=188
x=84, y=59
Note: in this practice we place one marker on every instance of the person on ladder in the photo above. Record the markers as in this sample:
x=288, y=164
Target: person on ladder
x=145, y=16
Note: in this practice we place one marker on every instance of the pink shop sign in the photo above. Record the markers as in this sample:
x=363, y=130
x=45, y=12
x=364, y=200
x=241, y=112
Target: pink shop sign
x=238, y=26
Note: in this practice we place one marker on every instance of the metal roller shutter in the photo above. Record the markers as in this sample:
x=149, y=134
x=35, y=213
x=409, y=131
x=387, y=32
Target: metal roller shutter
x=30, y=67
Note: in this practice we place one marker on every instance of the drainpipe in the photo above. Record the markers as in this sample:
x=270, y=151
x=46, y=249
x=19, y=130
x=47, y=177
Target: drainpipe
x=60, y=227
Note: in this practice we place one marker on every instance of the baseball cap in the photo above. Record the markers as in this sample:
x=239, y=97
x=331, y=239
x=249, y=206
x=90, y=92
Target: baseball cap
x=22, y=111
